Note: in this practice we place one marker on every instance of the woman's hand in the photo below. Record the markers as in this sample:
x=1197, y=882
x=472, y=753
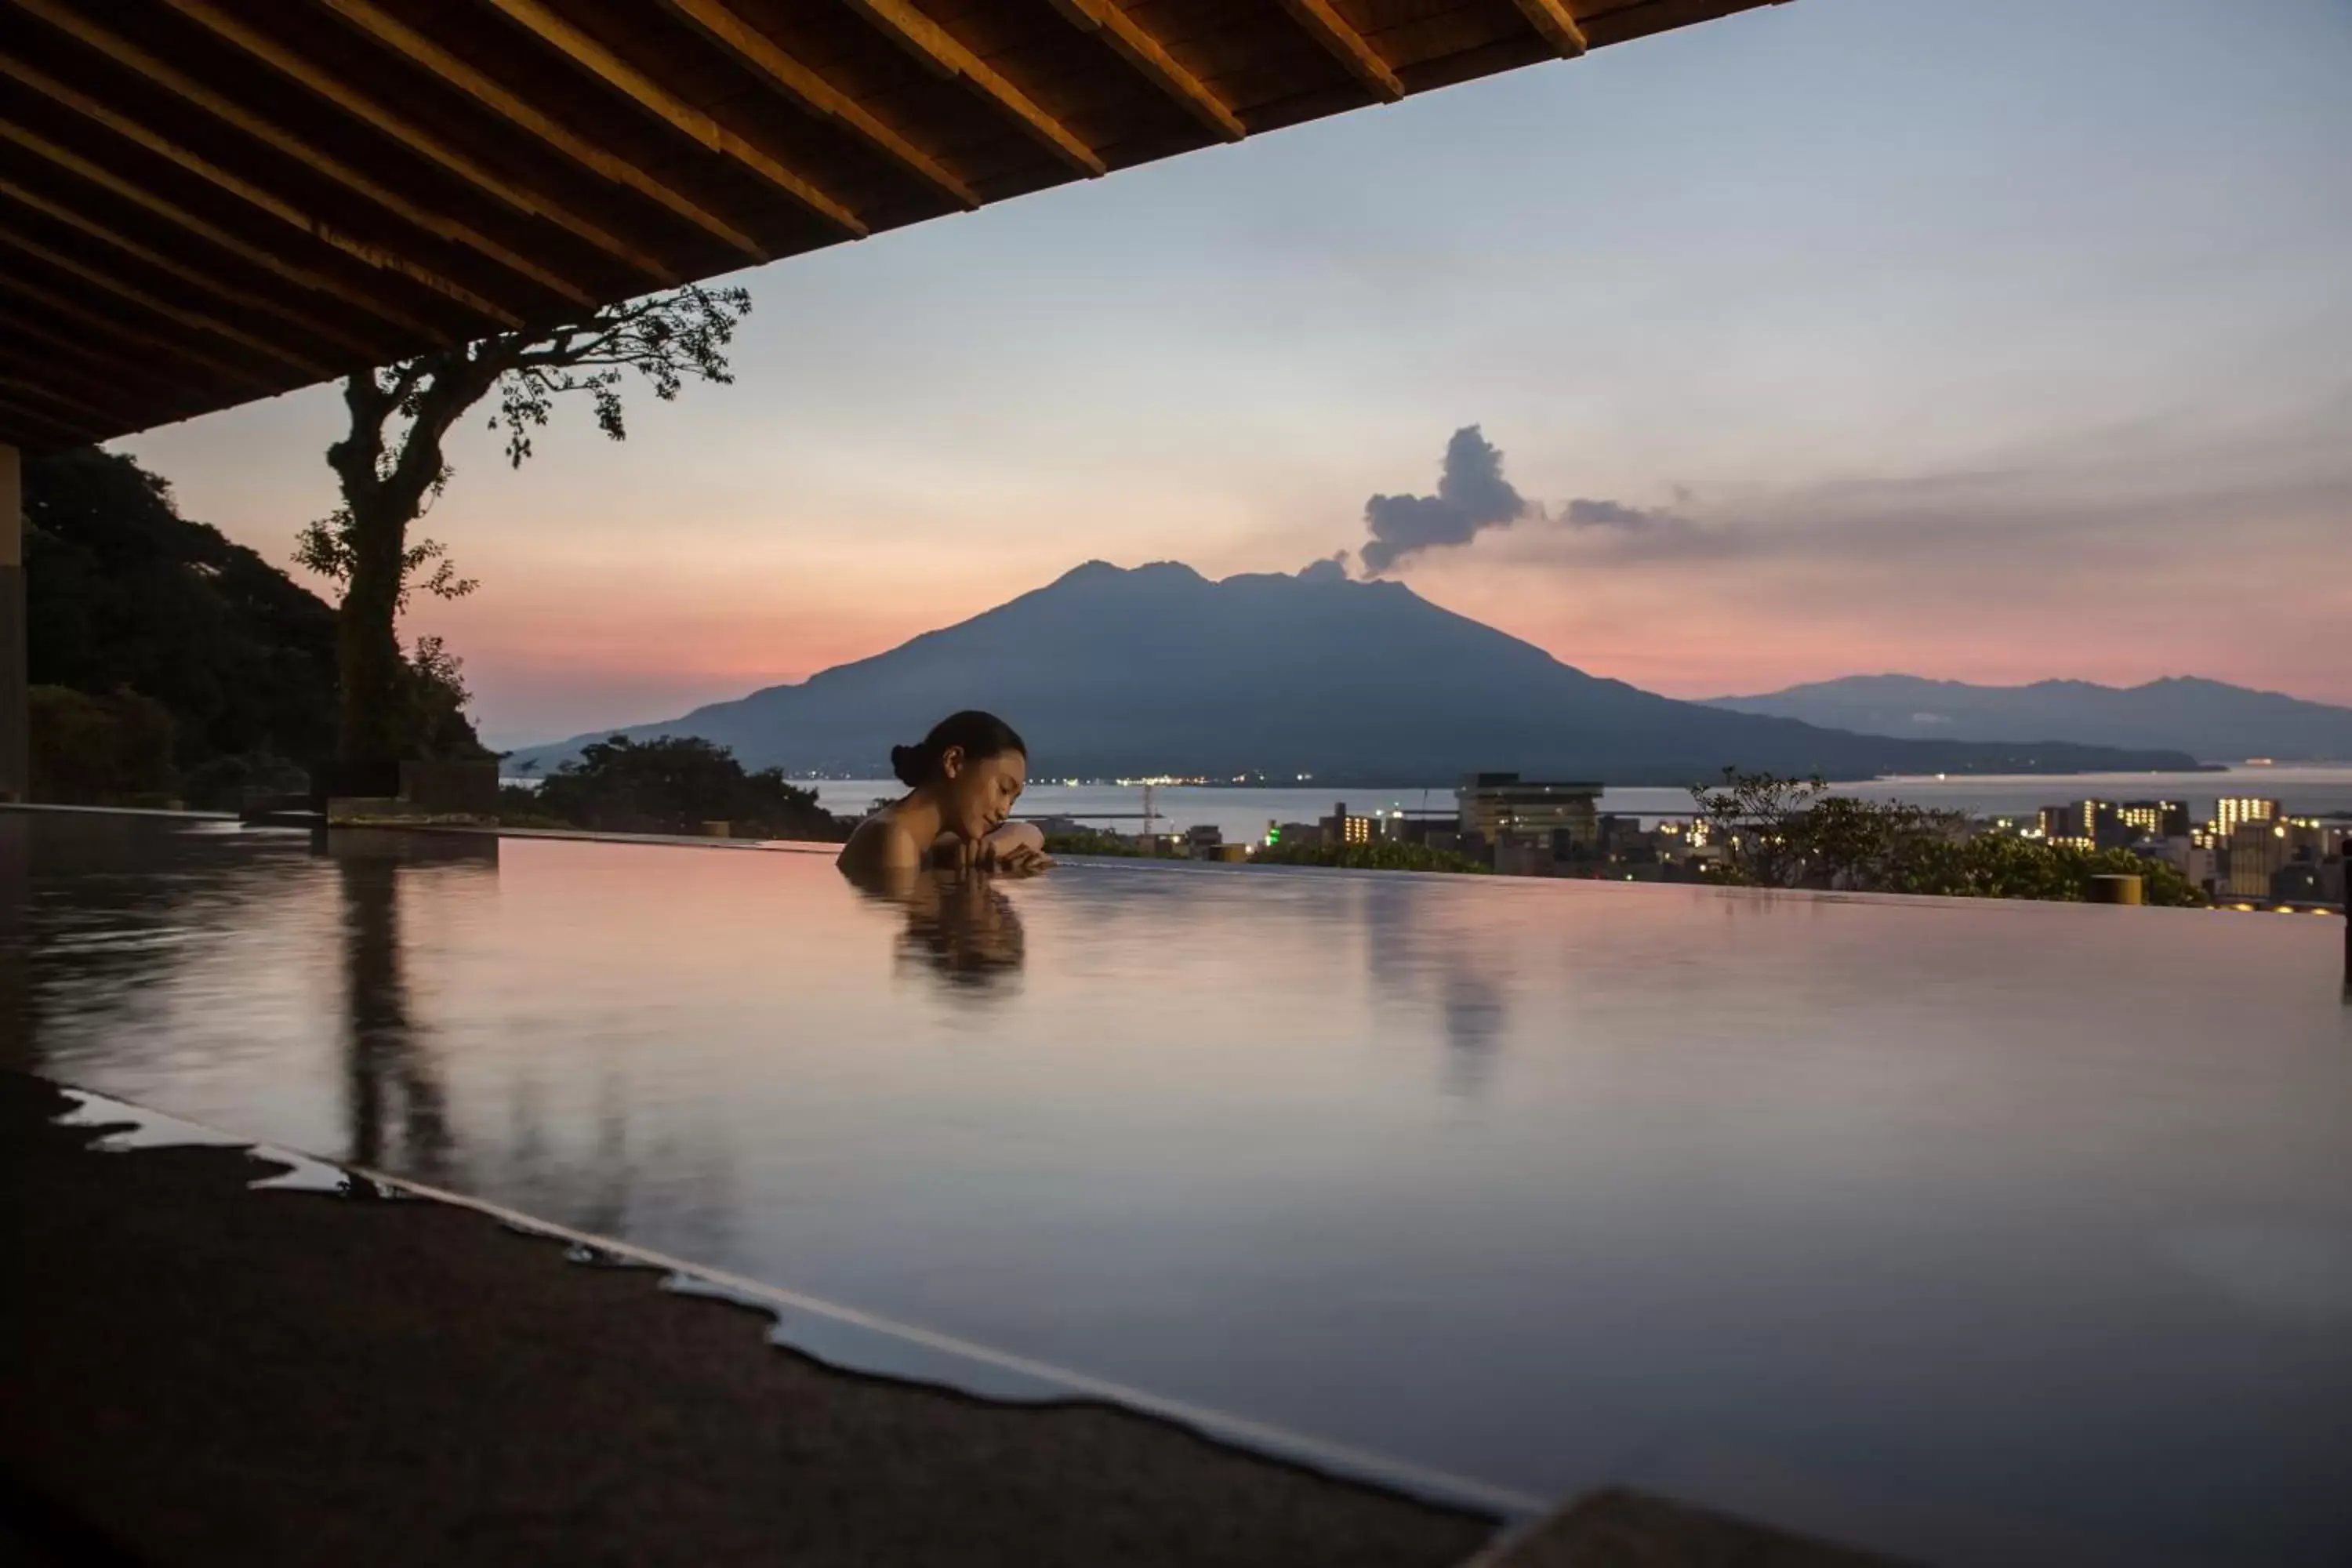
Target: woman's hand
x=1017, y=848
x=1015, y=860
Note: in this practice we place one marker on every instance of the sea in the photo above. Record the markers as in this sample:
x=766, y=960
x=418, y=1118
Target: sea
x=1240, y=811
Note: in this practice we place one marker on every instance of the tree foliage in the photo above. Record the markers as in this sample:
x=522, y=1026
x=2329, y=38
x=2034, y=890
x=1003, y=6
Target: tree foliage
x=676, y=784
x=1792, y=833
x=1380, y=855
x=1096, y=841
x=111, y=748
x=124, y=591
x=391, y=467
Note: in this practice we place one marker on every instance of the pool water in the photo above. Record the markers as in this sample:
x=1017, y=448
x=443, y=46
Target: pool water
x=1986, y=1233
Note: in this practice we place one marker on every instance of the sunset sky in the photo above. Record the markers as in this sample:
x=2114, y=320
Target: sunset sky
x=1987, y=342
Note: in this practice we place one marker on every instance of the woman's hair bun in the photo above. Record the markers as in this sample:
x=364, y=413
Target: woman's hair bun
x=911, y=766
x=977, y=734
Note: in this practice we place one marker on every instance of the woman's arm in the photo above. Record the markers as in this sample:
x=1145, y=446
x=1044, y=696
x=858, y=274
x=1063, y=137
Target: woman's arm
x=1015, y=846
x=1015, y=836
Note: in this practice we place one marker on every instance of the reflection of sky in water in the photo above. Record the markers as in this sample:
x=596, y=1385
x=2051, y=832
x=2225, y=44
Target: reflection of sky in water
x=1995, y=1233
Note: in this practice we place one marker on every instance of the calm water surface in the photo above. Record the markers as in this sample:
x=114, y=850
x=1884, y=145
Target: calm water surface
x=1990, y=1234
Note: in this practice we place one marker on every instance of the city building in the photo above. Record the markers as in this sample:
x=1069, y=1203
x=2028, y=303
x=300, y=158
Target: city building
x=2234, y=809
x=2156, y=818
x=1339, y=827
x=1495, y=804
x=2254, y=853
x=2190, y=854
x=2089, y=824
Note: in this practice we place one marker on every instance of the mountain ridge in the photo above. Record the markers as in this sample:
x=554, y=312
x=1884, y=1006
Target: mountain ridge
x=2214, y=719
x=1156, y=669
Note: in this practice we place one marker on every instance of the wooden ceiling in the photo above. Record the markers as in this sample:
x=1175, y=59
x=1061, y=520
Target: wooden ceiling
x=203, y=202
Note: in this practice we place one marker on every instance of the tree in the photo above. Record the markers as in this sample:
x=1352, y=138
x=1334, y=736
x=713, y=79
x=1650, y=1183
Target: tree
x=673, y=784
x=391, y=468
x=113, y=750
x=1792, y=833
x=1380, y=855
x=126, y=594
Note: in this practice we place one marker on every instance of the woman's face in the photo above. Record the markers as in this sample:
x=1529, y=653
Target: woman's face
x=979, y=792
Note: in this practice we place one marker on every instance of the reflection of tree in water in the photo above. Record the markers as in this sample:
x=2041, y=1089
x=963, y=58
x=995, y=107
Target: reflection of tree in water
x=401, y=1114
x=99, y=915
x=393, y=1082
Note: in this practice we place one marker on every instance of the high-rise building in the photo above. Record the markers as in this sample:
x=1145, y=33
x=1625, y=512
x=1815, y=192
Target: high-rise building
x=2256, y=853
x=2156, y=818
x=2235, y=809
x=2093, y=823
x=1493, y=805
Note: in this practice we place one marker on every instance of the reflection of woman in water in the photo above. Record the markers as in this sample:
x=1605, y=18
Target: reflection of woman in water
x=961, y=783
x=962, y=928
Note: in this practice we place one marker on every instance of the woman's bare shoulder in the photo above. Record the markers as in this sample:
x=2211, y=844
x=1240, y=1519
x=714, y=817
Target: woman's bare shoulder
x=880, y=844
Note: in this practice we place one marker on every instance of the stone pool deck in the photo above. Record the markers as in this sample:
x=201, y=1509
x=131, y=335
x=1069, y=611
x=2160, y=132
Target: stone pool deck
x=195, y=1373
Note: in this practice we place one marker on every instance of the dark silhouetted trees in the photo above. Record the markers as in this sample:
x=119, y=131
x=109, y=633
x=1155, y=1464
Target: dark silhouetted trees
x=675, y=784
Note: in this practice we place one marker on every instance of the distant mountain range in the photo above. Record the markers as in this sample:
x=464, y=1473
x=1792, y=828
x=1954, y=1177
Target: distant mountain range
x=1158, y=671
x=2216, y=722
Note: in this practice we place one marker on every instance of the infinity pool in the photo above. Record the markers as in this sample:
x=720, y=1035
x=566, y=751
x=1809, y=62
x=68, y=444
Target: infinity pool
x=1983, y=1233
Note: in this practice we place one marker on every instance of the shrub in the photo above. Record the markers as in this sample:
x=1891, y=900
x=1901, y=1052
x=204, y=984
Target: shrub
x=673, y=784
x=100, y=751
x=1381, y=855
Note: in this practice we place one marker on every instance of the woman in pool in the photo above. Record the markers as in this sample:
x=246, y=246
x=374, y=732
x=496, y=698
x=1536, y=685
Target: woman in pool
x=961, y=783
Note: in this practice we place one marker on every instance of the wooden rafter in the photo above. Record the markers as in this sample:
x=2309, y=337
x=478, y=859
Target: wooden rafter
x=195, y=320
x=66, y=158
x=373, y=254
x=72, y=360
x=166, y=74
x=1141, y=50
x=935, y=47
x=1557, y=26
x=57, y=305
x=24, y=417
x=180, y=269
x=1347, y=46
x=767, y=60
x=552, y=30
x=17, y=388
x=414, y=47
x=415, y=137
x=88, y=394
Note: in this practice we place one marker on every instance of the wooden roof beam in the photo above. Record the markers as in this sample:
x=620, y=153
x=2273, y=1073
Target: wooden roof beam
x=66, y=158
x=413, y=46
x=1347, y=46
x=195, y=320
x=62, y=431
x=414, y=137
x=186, y=273
x=19, y=390
x=769, y=61
x=96, y=370
x=940, y=49
x=1559, y=26
x=1141, y=50
x=544, y=24
x=130, y=55
x=57, y=305
x=373, y=254
x=92, y=369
